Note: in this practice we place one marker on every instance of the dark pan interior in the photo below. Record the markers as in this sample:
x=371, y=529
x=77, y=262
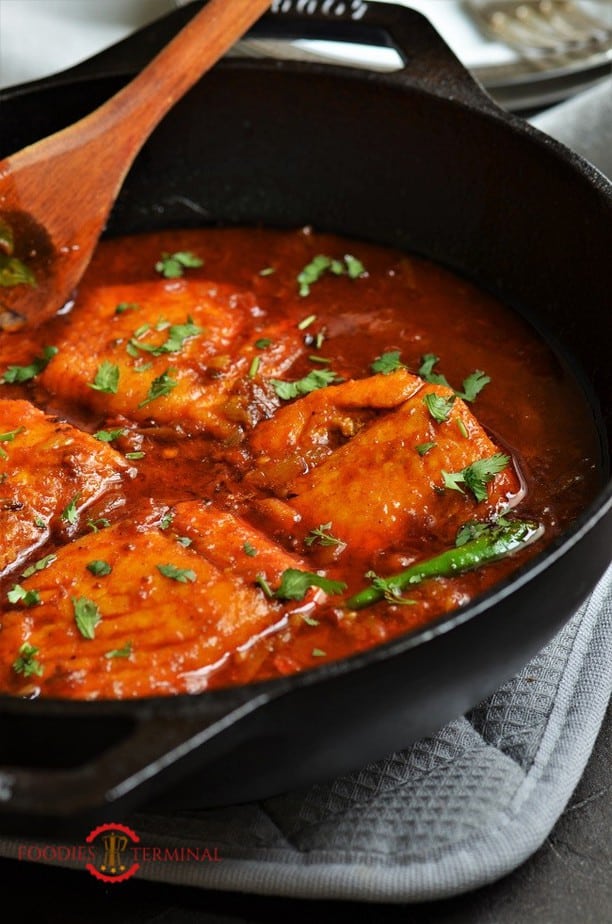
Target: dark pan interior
x=378, y=158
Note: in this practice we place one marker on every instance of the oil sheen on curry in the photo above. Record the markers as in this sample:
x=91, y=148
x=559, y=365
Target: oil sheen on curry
x=245, y=453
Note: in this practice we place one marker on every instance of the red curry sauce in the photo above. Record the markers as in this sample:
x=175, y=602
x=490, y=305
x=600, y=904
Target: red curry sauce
x=160, y=481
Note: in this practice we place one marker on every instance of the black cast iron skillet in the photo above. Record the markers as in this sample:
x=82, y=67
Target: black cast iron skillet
x=420, y=159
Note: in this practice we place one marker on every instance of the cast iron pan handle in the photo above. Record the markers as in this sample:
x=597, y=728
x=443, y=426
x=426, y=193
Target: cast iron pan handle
x=427, y=59
x=64, y=765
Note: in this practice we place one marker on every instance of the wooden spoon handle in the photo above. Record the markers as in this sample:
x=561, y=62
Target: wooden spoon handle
x=196, y=48
x=133, y=112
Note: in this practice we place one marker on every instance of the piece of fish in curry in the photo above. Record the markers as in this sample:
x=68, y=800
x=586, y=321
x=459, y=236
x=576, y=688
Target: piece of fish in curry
x=167, y=350
x=385, y=484
x=133, y=610
x=50, y=472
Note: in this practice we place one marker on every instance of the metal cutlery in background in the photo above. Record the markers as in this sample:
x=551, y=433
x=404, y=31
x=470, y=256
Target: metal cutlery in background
x=548, y=27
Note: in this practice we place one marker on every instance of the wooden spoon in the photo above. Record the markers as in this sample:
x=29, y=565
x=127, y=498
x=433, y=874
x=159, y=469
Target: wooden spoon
x=56, y=194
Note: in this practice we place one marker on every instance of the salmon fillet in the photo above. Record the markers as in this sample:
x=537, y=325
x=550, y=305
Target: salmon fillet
x=155, y=616
x=168, y=351
x=386, y=484
x=50, y=472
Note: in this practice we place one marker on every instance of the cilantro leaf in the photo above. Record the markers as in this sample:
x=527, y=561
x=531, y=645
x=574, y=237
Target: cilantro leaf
x=387, y=363
x=390, y=591
x=316, y=379
x=473, y=529
x=182, y=575
x=18, y=594
x=354, y=267
x=39, y=565
x=249, y=549
x=10, y=436
x=173, y=265
x=295, y=584
x=14, y=272
x=18, y=374
x=175, y=340
x=99, y=568
x=438, y=407
x=107, y=436
x=160, y=386
x=124, y=652
x=86, y=615
x=423, y=448
x=27, y=663
x=473, y=385
x=477, y=475
x=428, y=361
x=107, y=378
x=70, y=512
x=323, y=536
x=321, y=264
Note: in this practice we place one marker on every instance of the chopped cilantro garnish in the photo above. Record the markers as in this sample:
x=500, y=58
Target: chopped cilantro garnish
x=477, y=475
x=390, y=592
x=107, y=436
x=18, y=594
x=122, y=307
x=134, y=456
x=10, y=436
x=473, y=385
x=462, y=428
x=182, y=575
x=318, y=653
x=70, y=512
x=387, y=363
x=14, y=272
x=99, y=568
x=39, y=565
x=160, y=386
x=177, y=335
x=27, y=663
x=471, y=530
x=428, y=361
x=322, y=535
x=321, y=264
x=261, y=581
x=423, y=448
x=354, y=267
x=124, y=652
x=295, y=584
x=107, y=378
x=263, y=342
x=316, y=379
x=438, y=407
x=173, y=265
x=166, y=520
x=306, y=322
x=249, y=549
x=309, y=620
x=18, y=374
x=185, y=541
x=96, y=525
x=254, y=367
x=86, y=615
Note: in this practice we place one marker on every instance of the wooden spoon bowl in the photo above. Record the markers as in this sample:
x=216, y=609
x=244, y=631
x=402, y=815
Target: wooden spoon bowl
x=56, y=195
